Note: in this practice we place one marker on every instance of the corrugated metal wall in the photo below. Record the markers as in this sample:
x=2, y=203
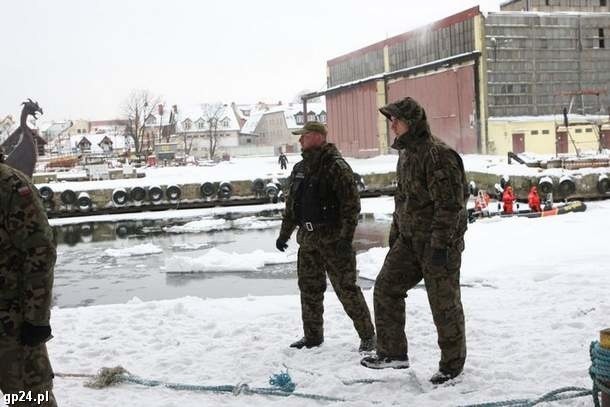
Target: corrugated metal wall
x=534, y=59
x=352, y=120
x=449, y=100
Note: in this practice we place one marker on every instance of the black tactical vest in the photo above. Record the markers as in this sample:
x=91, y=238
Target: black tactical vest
x=314, y=199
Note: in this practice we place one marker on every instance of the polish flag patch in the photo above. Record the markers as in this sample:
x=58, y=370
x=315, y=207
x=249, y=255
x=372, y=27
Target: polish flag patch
x=24, y=191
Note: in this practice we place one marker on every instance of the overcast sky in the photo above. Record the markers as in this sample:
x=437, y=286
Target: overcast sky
x=80, y=59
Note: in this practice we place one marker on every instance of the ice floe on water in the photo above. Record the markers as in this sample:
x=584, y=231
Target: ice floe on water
x=217, y=261
x=212, y=225
x=139, y=250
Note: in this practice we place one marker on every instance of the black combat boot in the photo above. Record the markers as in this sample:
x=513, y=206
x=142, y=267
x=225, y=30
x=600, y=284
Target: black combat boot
x=385, y=362
x=307, y=343
x=368, y=345
x=442, y=376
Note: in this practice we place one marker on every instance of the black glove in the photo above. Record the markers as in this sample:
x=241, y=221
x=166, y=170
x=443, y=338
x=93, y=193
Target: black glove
x=32, y=335
x=344, y=247
x=439, y=257
x=280, y=244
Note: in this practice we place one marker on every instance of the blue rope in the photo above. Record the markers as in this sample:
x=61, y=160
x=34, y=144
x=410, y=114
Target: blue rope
x=599, y=370
x=282, y=386
x=554, y=395
x=282, y=381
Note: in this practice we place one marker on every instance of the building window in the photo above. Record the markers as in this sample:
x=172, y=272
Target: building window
x=603, y=3
x=225, y=123
x=545, y=132
x=299, y=118
x=201, y=124
x=534, y=132
x=588, y=130
x=249, y=141
x=602, y=42
x=578, y=130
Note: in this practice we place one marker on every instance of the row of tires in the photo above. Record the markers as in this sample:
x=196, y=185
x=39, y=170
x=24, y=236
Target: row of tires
x=136, y=195
x=546, y=185
x=172, y=193
x=567, y=186
x=156, y=194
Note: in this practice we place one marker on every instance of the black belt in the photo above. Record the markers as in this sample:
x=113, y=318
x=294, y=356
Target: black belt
x=310, y=226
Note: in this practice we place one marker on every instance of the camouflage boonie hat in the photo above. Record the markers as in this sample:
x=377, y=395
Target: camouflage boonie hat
x=311, y=127
x=406, y=109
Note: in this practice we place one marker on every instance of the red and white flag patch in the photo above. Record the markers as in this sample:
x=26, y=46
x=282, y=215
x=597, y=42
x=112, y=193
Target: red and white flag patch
x=24, y=191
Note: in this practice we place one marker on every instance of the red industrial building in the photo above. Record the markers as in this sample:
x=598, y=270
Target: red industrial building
x=472, y=73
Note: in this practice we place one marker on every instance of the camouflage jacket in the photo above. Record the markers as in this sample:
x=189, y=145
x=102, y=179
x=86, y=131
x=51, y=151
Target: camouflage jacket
x=432, y=191
x=28, y=253
x=338, y=180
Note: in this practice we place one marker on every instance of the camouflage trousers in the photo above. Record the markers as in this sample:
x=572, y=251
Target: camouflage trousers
x=406, y=264
x=25, y=370
x=314, y=263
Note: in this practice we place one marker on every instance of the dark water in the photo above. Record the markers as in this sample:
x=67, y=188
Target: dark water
x=84, y=275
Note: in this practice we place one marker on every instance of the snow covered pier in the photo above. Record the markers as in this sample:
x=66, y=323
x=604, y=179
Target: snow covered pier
x=258, y=180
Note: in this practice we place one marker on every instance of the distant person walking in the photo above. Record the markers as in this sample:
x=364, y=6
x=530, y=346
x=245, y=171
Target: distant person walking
x=283, y=160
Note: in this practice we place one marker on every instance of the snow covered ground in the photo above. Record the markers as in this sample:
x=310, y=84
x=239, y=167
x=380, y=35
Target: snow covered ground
x=535, y=294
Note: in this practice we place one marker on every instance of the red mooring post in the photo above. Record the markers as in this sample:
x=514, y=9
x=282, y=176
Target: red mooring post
x=604, y=342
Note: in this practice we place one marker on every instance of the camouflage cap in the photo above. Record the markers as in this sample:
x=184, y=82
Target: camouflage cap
x=406, y=109
x=311, y=127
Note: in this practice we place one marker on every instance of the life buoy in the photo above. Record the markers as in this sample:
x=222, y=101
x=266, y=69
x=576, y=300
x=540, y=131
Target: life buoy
x=86, y=232
x=137, y=194
x=258, y=185
x=207, y=189
x=504, y=180
x=545, y=185
x=225, y=190
x=119, y=197
x=155, y=194
x=71, y=236
x=473, y=189
x=566, y=186
x=603, y=184
x=173, y=193
x=86, y=229
x=122, y=230
x=84, y=201
x=46, y=193
x=272, y=192
x=68, y=197
x=359, y=182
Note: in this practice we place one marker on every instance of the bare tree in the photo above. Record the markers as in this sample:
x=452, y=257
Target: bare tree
x=213, y=114
x=136, y=108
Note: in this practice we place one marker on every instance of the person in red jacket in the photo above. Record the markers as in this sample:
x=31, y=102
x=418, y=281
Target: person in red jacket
x=534, y=200
x=508, y=198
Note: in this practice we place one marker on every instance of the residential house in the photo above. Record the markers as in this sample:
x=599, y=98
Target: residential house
x=7, y=126
x=273, y=125
x=106, y=144
x=192, y=127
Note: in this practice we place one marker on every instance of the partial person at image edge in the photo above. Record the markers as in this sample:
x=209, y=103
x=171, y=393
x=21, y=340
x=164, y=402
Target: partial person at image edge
x=26, y=281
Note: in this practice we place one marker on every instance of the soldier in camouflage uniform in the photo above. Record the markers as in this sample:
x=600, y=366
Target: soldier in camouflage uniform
x=323, y=202
x=26, y=280
x=426, y=242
